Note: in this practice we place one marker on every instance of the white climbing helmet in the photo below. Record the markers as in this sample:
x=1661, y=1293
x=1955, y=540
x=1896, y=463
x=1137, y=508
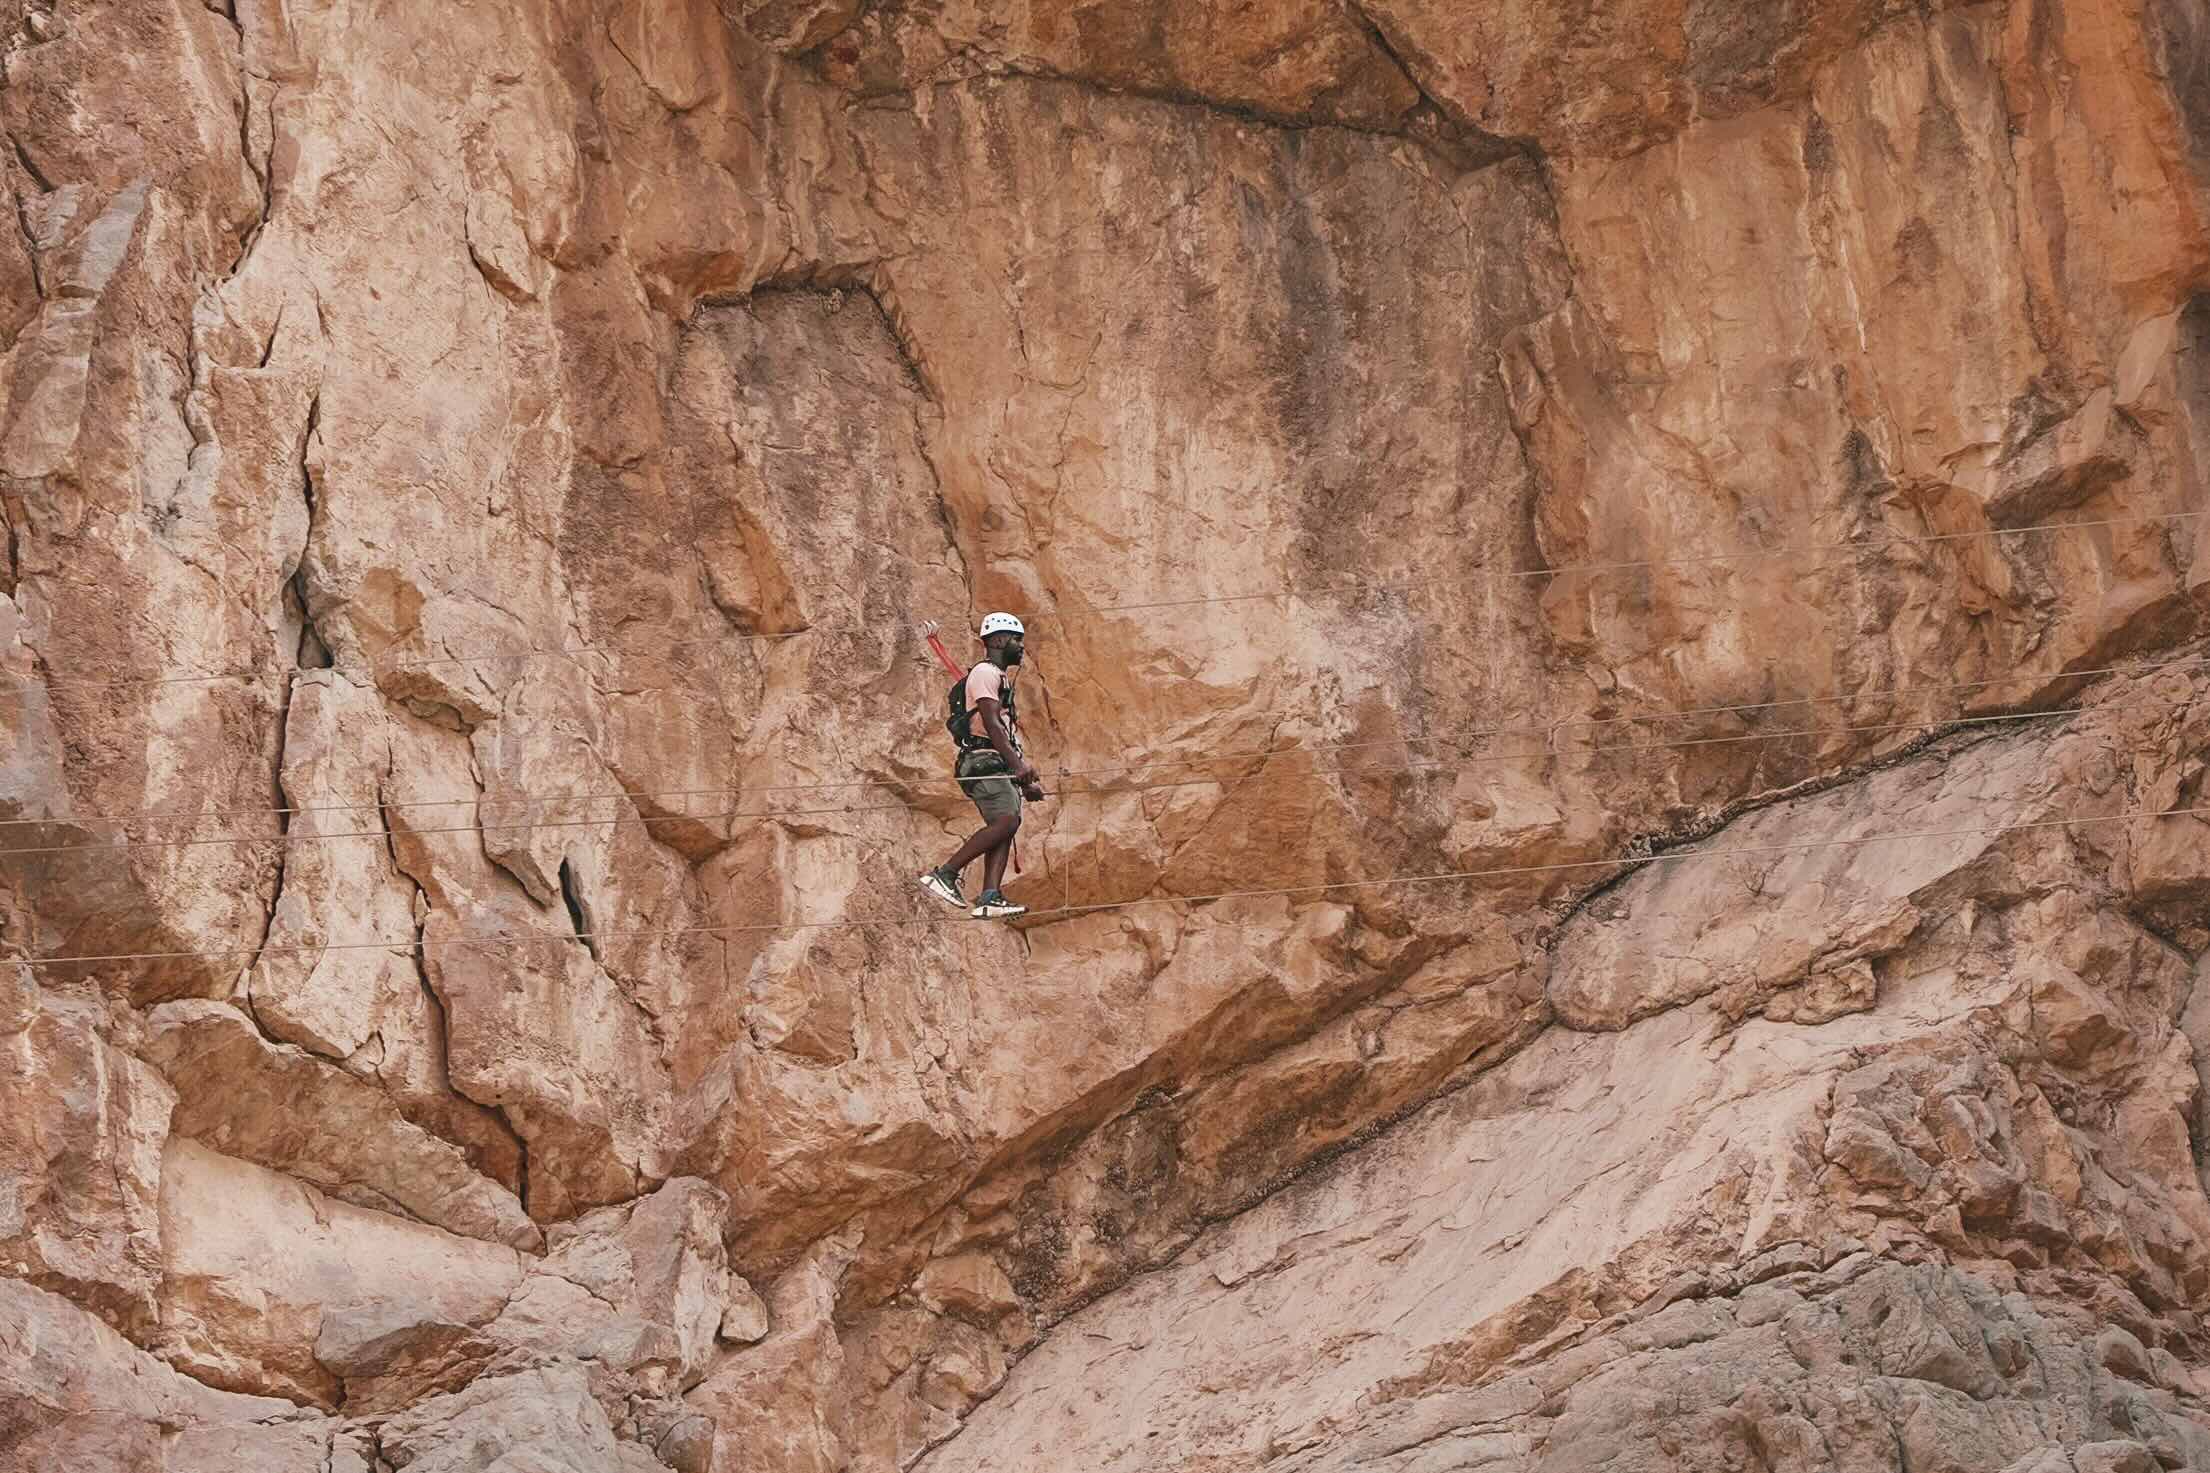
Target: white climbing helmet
x=1001, y=624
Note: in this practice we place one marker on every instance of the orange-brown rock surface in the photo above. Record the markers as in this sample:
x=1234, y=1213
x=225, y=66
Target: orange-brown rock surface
x=472, y=479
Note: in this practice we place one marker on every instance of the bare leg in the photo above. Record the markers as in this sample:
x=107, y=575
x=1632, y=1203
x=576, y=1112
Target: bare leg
x=997, y=835
x=993, y=866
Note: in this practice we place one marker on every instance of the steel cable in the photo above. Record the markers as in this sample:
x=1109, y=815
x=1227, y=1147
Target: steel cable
x=415, y=943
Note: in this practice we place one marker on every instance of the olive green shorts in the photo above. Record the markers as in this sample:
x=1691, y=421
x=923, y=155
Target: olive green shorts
x=991, y=787
x=995, y=796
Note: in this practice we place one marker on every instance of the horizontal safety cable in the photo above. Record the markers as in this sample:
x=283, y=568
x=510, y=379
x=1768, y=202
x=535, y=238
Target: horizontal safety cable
x=413, y=943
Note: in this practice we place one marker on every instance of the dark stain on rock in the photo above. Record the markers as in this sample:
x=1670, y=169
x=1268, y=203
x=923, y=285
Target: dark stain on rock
x=1733, y=47
x=1818, y=149
x=2180, y=32
x=1862, y=472
x=1917, y=254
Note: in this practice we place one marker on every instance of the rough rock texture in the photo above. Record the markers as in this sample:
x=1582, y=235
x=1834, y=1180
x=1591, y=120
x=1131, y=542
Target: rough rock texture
x=1606, y=1244
x=469, y=476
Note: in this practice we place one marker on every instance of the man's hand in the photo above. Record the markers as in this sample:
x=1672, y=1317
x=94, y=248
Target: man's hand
x=1024, y=773
x=1033, y=792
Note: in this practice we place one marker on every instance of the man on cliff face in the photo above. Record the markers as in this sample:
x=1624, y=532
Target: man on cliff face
x=985, y=727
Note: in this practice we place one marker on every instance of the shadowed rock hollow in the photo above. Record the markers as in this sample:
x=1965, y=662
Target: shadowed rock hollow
x=471, y=475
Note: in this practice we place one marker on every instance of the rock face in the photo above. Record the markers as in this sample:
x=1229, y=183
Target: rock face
x=1618, y=608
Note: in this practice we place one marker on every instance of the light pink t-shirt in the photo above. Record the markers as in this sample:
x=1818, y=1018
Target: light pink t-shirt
x=986, y=679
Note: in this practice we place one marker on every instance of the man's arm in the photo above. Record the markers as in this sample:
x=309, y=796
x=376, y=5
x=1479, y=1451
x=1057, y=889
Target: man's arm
x=993, y=725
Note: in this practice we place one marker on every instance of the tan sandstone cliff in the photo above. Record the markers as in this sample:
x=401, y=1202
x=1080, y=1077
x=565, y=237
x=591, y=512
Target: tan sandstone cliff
x=471, y=475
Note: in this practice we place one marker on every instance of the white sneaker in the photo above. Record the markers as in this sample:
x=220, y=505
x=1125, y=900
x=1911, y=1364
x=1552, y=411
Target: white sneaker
x=944, y=887
x=992, y=905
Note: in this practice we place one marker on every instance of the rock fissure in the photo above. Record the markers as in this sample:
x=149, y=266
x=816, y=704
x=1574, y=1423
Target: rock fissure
x=313, y=651
x=282, y=852
x=1475, y=145
x=1458, y=143
x=578, y=918
x=30, y=166
x=1646, y=849
x=30, y=246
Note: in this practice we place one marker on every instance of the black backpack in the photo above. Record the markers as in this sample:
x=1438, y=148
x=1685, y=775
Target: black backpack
x=960, y=723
